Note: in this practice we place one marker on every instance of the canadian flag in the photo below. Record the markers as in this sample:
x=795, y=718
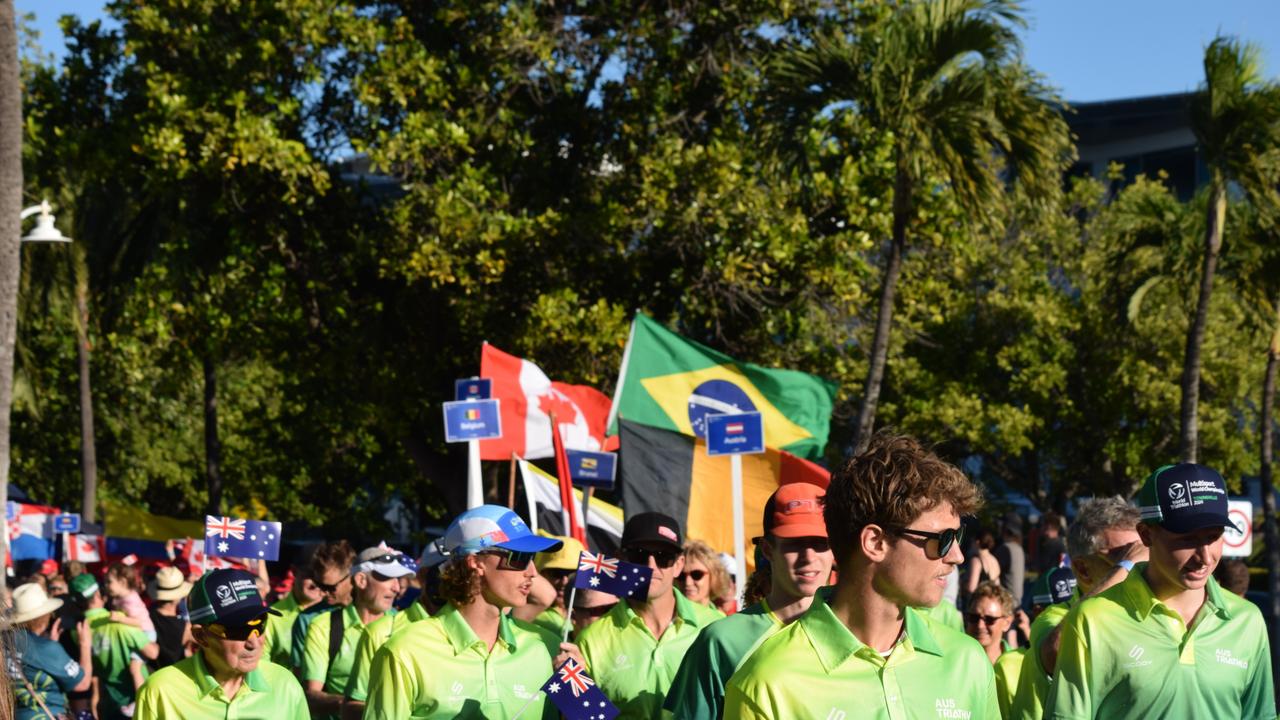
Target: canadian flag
x=85, y=548
x=528, y=398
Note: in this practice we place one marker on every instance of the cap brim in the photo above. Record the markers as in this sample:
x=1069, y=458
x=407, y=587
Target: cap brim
x=800, y=530
x=391, y=569
x=531, y=543
x=1191, y=523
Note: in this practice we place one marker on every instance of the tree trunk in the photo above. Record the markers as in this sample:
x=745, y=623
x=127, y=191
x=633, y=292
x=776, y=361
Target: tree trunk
x=884, y=316
x=10, y=231
x=88, y=451
x=1189, y=429
x=212, y=446
x=1270, y=531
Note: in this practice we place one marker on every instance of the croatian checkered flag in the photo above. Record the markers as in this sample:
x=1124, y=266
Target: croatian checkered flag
x=613, y=576
x=575, y=694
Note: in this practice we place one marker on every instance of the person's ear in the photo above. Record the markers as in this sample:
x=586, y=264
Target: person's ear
x=678, y=567
x=1145, y=533
x=874, y=541
x=360, y=580
x=199, y=635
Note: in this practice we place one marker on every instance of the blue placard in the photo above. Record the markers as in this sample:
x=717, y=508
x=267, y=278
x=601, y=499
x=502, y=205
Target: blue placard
x=472, y=420
x=736, y=434
x=594, y=469
x=476, y=388
x=66, y=523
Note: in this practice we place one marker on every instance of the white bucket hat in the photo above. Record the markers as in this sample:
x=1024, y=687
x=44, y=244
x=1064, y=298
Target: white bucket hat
x=168, y=584
x=30, y=602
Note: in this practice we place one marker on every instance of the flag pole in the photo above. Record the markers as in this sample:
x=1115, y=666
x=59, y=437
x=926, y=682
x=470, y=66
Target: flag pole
x=527, y=704
x=475, y=488
x=587, y=492
x=568, y=611
x=511, y=484
x=739, y=528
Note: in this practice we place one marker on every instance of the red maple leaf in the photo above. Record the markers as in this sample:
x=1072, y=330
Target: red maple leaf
x=553, y=402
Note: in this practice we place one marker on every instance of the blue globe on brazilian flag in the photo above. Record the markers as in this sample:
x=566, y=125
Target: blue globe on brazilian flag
x=669, y=382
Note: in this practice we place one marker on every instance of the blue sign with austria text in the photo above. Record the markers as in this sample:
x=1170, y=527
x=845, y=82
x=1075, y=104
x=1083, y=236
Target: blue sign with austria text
x=66, y=523
x=472, y=420
x=475, y=388
x=736, y=434
x=596, y=469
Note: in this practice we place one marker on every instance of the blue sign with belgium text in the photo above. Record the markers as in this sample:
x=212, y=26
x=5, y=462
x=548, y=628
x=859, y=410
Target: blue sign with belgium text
x=736, y=434
x=594, y=469
x=472, y=420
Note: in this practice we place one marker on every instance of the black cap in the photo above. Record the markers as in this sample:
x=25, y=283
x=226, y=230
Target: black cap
x=1184, y=498
x=226, y=597
x=652, y=527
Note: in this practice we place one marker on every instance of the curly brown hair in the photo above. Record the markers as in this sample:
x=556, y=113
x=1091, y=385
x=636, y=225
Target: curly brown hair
x=459, y=583
x=891, y=483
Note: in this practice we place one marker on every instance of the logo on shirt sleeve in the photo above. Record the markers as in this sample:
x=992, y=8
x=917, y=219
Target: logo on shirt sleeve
x=71, y=669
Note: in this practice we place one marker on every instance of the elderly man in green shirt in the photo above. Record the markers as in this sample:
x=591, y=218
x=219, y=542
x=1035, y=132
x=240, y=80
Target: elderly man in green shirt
x=1167, y=642
x=633, y=652
x=893, y=519
x=332, y=640
x=797, y=557
x=226, y=677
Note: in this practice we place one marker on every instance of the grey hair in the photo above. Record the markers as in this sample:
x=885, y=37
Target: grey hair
x=1095, y=516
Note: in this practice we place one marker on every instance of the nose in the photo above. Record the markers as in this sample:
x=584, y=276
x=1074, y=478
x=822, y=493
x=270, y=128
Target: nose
x=530, y=570
x=954, y=556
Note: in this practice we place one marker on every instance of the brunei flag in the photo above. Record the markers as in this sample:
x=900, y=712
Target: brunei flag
x=669, y=382
x=669, y=472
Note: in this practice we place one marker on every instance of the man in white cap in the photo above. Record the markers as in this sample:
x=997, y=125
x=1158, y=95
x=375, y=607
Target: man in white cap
x=47, y=672
x=332, y=640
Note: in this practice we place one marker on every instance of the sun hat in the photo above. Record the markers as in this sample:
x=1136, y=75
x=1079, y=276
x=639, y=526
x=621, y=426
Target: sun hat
x=30, y=601
x=168, y=584
x=564, y=558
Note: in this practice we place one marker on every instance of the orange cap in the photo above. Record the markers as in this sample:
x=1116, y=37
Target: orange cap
x=795, y=510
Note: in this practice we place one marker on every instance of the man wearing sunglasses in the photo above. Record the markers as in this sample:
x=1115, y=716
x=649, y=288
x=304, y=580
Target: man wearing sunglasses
x=331, y=570
x=227, y=676
x=332, y=640
x=633, y=652
x=892, y=515
x=1104, y=546
x=1168, y=641
x=472, y=659
x=799, y=561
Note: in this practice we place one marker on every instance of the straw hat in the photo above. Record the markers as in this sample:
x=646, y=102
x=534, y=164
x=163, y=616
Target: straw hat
x=168, y=584
x=30, y=602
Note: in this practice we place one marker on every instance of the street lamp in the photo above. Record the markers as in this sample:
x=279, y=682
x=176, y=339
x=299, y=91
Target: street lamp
x=44, y=230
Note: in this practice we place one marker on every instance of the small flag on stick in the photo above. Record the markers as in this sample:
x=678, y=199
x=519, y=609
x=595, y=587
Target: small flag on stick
x=613, y=576
x=576, y=695
x=234, y=537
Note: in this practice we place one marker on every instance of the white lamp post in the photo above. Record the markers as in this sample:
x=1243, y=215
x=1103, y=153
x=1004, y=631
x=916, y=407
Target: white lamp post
x=44, y=231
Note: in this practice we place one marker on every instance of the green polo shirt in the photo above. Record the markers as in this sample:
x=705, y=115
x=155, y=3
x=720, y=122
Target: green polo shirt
x=315, y=663
x=632, y=667
x=698, y=690
x=1033, y=681
x=1008, y=667
x=816, y=668
x=437, y=668
x=375, y=635
x=552, y=621
x=1125, y=655
x=278, y=640
x=412, y=614
x=187, y=691
x=114, y=645
x=945, y=613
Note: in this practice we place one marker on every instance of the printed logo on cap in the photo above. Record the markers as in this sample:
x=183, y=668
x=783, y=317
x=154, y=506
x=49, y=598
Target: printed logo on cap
x=794, y=506
x=668, y=533
x=225, y=595
x=1176, y=493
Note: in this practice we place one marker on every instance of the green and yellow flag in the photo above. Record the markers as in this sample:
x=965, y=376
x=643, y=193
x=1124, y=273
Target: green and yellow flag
x=673, y=383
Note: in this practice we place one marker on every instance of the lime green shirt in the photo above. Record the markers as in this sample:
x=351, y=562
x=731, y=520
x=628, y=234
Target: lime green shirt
x=944, y=613
x=414, y=613
x=187, y=691
x=315, y=661
x=437, y=668
x=697, y=693
x=1008, y=667
x=1125, y=655
x=816, y=668
x=375, y=635
x=632, y=667
x=1033, y=680
x=114, y=645
x=278, y=641
x=551, y=620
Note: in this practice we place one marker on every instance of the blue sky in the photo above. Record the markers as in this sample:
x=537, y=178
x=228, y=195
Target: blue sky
x=1090, y=49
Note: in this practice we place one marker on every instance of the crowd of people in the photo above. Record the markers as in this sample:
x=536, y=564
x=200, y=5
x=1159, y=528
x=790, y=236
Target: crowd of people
x=863, y=604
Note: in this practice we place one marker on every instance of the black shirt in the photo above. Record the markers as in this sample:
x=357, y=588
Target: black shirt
x=169, y=632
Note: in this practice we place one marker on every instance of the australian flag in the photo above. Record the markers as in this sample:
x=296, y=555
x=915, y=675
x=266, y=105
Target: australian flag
x=614, y=576
x=233, y=537
x=575, y=694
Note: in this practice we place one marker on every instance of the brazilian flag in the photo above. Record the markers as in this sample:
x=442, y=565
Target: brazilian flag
x=673, y=383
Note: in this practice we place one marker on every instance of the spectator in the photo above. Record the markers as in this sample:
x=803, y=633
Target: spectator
x=703, y=578
x=114, y=646
x=982, y=565
x=47, y=673
x=173, y=632
x=1233, y=575
x=1051, y=547
x=989, y=617
x=1012, y=559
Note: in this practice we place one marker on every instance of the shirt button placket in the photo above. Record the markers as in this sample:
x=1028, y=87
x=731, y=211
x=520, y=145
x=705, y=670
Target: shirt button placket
x=892, y=695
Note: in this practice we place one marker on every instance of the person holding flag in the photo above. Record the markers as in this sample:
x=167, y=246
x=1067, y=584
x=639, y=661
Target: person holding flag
x=226, y=677
x=633, y=652
x=1167, y=641
x=893, y=517
x=471, y=659
x=798, y=561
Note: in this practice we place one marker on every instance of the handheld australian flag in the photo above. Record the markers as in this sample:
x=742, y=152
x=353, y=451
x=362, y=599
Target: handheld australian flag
x=576, y=695
x=613, y=576
x=234, y=537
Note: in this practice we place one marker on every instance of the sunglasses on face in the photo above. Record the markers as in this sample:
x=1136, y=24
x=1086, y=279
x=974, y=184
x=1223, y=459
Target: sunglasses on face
x=511, y=559
x=937, y=544
x=695, y=575
x=380, y=577
x=988, y=620
x=251, y=629
x=331, y=589
x=640, y=556
x=595, y=611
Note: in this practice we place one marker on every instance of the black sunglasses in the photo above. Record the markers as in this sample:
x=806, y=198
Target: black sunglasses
x=331, y=589
x=945, y=539
x=380, y=577
x=594, y=611
x=974, y=618
x=240, y=633
x=697, y=575
x=640, y=556
x=511, y=559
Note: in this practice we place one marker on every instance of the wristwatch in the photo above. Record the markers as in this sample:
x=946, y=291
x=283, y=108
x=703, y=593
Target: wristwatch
x=1126, y=564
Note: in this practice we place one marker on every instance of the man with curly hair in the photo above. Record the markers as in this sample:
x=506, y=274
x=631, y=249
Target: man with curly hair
x=893, y=518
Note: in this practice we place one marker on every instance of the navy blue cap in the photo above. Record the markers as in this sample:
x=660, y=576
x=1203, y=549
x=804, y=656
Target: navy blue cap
x=1184, y=498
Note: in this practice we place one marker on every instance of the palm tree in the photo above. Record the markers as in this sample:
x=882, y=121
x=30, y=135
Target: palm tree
x=945, y=78
x=1236, y=120
x=10, y=228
